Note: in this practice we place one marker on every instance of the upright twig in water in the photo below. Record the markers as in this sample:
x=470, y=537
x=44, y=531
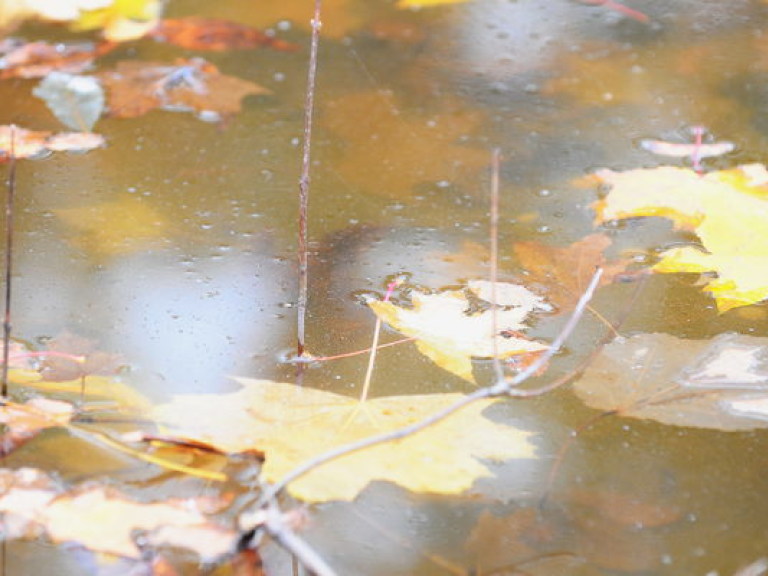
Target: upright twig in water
x=494, y=232
x=9, y=258
x=304, y=179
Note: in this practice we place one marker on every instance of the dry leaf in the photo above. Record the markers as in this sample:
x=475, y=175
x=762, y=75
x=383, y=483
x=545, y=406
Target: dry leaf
x=566, y=272
x=30, y=144
x=728, y=211
x=388, y=152
x=292, y=425
x=698, y=383
x=196, y=33
x=450, y=334
x=136, y=87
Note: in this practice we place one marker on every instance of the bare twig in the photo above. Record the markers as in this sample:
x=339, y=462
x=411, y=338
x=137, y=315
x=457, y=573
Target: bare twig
x=303, y=248
x=494, y=232
x=9, y=259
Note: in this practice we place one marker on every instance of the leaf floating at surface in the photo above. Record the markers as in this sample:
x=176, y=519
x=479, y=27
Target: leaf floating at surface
x=77, y=101
x=696, y=383
x=292, y=425
x=196, y=33
x=31, y=144
x=727, y=210
x=448, y=334
x=135, y=87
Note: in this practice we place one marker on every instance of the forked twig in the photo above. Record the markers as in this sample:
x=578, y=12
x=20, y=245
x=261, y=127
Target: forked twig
x=303, y=248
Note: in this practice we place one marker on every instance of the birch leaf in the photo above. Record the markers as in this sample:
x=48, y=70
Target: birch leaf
x=291, y=425
x=449, y=333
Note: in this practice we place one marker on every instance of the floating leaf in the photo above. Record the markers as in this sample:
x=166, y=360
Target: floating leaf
x=728, y=211
x=292, y=425
x=135, y=87
x=38, y=59
x=450, y=334
x=565, y=272
x=698, y=383
x=30, y=144
x=196, y=33
x=103, y=520
x=77, y=101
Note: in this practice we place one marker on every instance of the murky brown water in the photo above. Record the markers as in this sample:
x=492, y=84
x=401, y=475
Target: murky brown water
x=409, y=107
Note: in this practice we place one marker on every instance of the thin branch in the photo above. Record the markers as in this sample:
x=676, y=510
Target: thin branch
x=304, y=181
x=8, y=260
x=494, y=232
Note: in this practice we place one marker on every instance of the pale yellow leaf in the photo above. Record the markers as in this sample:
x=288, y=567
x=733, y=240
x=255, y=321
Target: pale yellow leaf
x=292, y=425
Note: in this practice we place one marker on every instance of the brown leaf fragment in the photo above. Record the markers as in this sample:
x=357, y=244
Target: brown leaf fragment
x=38, y=59
x=565, y=272
x=134, y=88
x=247, y=563
x=25, y=421
x=31, y=144
x=214, y=34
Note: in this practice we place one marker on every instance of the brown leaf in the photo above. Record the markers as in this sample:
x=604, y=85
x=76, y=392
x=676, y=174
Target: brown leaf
x=625, y=510
x=196, y=33
x=75, y=357
x=37, y=59
x=566, y=272
x=25, y=421
x=135, y=87
x=31, y=144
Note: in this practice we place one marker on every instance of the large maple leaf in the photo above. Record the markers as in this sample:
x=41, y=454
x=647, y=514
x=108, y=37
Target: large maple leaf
x=291, y=425
x=727, y=210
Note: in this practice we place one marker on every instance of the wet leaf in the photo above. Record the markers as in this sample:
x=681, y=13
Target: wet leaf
x=30, y=144
x=135, y=87
x=426, y=3
x=120, y=227
x=566, y=272
x=119, y=20
x=728, y=211
x=697, y=383
x=25, y=421
x=72, y=357
x=38, y=59
x=388, y=152
x=625, y=510
x=103, y=520
x=196, y=33
x=77, y=101
x=450, y=333
x=292, y=425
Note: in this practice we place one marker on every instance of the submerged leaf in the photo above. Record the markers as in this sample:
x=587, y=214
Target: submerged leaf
x=30, y=144
x=450, y=334
x=728, y=211
x=196, y=33
x=136, y=87
x=38, y=59
x=292, y=425
x=698, y=383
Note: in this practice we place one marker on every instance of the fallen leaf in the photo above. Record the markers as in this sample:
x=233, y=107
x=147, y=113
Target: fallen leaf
x=196, y=33
x=77, y=101
x=104, y=520
x=426, y=3
x=728, y=211
x=449, y=333
x=388, y=152
x=118, y=20
x=136, y=87
x=120, y=227
x=25, y=421
x=71, y=357
x=38, y=59
x=697, y=383
x=31, y=144
x=292, y=424
x=566, y=272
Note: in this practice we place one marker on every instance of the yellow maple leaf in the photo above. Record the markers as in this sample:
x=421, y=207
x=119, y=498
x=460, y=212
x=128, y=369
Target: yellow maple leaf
x=451, y=337
x=292, y=425
x=727, y=210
